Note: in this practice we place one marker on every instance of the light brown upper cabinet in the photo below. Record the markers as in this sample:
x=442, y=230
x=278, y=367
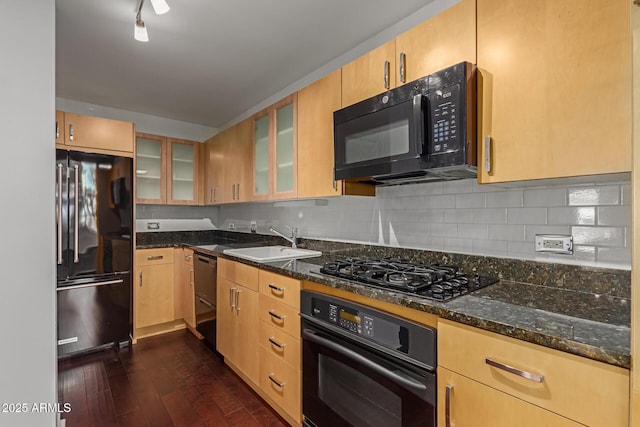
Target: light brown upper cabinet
x=228, y=159
x=439, y=42
x=274, y=151
x=556, y=89
x=316, y=104
x=166, y=170
x=94, y=134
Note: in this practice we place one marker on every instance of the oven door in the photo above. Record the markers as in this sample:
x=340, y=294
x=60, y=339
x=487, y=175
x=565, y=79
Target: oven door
x=347, y=384
x=387, y=141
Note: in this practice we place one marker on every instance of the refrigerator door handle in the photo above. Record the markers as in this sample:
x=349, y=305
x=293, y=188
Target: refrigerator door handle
x=76, y=226
x=59, y=214
x=90, y=285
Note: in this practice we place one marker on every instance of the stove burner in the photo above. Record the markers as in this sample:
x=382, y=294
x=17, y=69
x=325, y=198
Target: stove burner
x=439, y=282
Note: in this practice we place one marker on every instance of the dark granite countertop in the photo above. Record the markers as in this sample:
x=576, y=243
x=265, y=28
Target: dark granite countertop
x=563, y=316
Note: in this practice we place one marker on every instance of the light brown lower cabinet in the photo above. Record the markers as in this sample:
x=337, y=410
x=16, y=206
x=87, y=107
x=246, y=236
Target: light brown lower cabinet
x=465, y=402
x=153, y=287
x=184, y=285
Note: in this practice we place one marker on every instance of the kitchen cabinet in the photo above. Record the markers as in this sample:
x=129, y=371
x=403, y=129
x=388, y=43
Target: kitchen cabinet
x=153, y=287
x=316, y=104
x=556, y=89
x=184, y=286
x=94, y=134
x=280, y=342
x=474, y=404
x=475, y=363
x=237, y=316
x=439, y=42
x=227, y=168
x=167, y=170
x=274, y=151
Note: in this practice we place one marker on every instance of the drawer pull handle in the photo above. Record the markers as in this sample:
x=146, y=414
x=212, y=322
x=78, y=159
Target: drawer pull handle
x=276, y=343
x=276, y=382
x=276, y=316
x=275, y=288
x=447, y=406
x=154, y=257
x=515, y=371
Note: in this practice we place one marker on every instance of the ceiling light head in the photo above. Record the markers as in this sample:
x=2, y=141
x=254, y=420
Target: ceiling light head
x=140, y=31
x=160, y=6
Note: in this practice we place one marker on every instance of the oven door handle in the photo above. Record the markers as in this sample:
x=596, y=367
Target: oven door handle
x=310, y=335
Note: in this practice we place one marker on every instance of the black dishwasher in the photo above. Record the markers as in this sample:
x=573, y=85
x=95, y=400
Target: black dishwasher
x=205, y=269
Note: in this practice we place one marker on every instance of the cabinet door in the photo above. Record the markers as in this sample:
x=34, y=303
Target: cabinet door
x=182, y=172
x=284, y=147
x=557, y=88
x=98, y=133
x=246, y=316
x=439, y=42
x=474, y=404
x=186, y=282
x=214, y=169
x=365, y=76
x=240, y=157
x=154, y=295
x=260, y=149
x=316, y=104
x=150, y=169
x=226, y=325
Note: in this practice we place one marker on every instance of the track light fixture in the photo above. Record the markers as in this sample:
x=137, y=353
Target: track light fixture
x=140, y=33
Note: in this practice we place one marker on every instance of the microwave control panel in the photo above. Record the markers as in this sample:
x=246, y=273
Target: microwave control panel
x=444, y=121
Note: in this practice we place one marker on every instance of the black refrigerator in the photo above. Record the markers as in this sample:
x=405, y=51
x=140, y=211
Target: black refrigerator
x=94, y=254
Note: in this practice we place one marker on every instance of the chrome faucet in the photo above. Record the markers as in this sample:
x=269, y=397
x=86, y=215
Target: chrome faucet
x=294, y=235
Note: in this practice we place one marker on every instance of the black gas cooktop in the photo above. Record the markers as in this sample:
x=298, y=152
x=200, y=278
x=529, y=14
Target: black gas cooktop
x=438, y=282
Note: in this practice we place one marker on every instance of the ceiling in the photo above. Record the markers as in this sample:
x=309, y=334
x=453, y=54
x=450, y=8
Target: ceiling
x=208, y=61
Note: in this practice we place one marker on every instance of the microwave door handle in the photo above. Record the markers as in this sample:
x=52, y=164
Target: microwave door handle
x=310, y=335
x=420, y=122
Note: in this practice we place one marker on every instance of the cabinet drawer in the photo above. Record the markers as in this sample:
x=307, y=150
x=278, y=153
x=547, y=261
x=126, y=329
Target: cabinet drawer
x=239, y=273
x=279, y=343
x=281, y=288
x=280, y=315
x=572, y=386
x=281, y=382
x=154, y=256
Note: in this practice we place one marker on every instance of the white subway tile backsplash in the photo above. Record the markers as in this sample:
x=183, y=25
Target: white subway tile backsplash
x=536, y=197
x=614, y=215
x=572, y=215
x=461, y=216
x=598, y=236
x=594, y=196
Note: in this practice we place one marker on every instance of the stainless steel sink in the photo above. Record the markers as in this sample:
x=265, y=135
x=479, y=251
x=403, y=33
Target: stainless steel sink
x=271, y=253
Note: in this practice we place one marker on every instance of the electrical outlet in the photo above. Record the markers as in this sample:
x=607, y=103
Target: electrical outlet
x=254, y=226
x=555, y=243
x=232, y=226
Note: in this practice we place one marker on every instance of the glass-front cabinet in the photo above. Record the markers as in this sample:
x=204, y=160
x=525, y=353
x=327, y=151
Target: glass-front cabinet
x=274, y=151
x=166, y=170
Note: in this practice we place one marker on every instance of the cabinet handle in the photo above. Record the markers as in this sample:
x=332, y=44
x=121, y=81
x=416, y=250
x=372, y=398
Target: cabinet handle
x=387, y=70
x=276, y=382
x=211, y=195
x=192, y=277
x=275, y=288
x=238, y=190
x=231, y=304
x=447, y=406
x=141, y=279
x=188, y=257
x=276, y=316
x=238, y=299
x=57, y=130
x=487, y=153
x=154, y=257
x=403, y=60
x=515, y=371
x=276, y=343
x=233, y=192
x=70, y=131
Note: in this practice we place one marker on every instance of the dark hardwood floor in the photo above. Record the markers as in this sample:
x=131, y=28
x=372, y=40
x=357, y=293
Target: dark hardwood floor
x=166, y=380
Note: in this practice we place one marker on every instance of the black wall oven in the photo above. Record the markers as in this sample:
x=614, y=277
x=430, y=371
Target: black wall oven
x=363, y=367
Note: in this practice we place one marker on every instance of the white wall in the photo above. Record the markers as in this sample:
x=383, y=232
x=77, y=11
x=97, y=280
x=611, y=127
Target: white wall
x=145, y=123
x=27, y=258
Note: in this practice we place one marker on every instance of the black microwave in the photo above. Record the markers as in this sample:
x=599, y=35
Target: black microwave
x=421, y=131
